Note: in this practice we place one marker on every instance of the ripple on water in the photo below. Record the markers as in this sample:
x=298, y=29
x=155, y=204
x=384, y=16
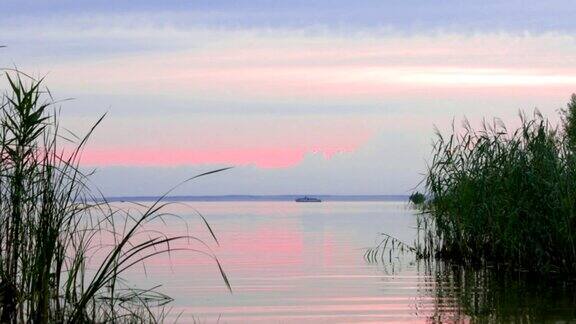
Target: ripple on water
x=294, y=263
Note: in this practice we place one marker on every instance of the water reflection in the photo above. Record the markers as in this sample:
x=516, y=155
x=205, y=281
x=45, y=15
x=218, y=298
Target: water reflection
x=446, y=292
x=494, y=295
x=296, y=263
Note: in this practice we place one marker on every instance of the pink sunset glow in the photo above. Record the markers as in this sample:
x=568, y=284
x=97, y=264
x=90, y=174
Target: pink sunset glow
x=251, y=69
x=294, y=82
x=252, y=66
x=288, y=140
x=294, y=93
x=264, y=158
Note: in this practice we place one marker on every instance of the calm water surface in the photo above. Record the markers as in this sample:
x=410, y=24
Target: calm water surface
x=303, y=262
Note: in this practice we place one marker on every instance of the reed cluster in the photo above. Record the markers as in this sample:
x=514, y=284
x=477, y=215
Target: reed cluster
x=502, y=196
x=55, y=266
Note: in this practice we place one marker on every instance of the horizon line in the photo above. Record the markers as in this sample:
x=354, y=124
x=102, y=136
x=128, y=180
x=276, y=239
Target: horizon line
x=243, y=197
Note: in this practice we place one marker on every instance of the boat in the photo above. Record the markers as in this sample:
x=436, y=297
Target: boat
x=308, y=199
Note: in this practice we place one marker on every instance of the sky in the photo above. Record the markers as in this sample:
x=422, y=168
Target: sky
x=301, y=97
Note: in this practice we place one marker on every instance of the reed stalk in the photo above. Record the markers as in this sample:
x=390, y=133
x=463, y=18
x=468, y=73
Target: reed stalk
x=506, y=197
x=52, y=224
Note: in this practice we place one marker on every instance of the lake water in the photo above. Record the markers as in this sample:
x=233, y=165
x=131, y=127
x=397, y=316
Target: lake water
x=304, y=262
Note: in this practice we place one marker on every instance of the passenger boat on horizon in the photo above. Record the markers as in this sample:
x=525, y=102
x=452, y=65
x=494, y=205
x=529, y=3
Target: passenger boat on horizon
x=308, y=199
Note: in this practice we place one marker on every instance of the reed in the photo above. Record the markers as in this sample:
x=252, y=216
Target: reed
x=417, y=198
x=507, y=197
x=52, y=225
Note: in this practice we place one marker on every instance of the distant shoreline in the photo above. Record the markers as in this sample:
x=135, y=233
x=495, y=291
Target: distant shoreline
x=262, y=198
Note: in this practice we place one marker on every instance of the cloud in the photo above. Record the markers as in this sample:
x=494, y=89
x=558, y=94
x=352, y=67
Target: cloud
x=291, y=66
x=389, y=163
x=330, y=104
x=254, y=98
x=406, y=16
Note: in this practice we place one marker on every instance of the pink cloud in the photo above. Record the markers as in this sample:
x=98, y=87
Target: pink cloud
x=264, y=158
x=296, y=67
x=296, y=70
x=262, y=141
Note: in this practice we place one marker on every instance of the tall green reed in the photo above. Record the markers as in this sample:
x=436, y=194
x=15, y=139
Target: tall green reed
x=503, y=196
x=52, y=224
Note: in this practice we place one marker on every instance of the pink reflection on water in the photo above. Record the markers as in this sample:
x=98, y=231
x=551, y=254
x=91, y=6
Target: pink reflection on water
x=262, y=245
x=293, y=263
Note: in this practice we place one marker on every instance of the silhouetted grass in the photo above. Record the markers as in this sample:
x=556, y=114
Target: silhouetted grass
x=417, y=198
x=52, y=227
x=503, y=196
